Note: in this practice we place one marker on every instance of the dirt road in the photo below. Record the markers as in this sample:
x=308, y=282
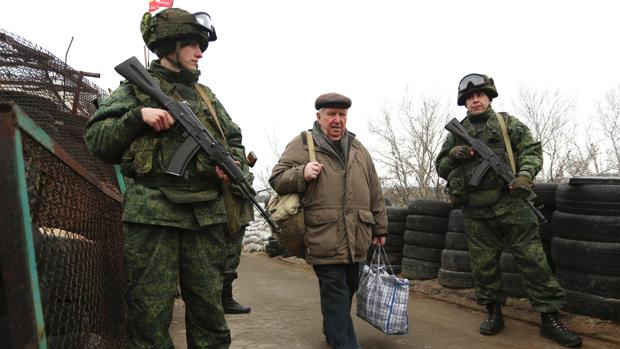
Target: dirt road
x=286, y=314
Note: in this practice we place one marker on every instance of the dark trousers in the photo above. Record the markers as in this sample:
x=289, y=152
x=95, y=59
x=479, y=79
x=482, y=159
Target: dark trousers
x=338, y=283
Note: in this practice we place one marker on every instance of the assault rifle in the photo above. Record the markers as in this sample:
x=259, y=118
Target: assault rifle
x=489, y=161
x=197, y=136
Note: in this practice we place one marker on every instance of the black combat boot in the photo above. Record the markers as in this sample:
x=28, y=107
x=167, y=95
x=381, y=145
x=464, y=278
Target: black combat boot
x=494, y=321
x=230, y=305
x=553, y=328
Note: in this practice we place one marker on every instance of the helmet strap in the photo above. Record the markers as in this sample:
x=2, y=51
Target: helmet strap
x=176, y=62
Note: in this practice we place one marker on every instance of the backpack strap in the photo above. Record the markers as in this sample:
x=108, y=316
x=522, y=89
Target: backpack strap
x=310, y=141
x=504, y=129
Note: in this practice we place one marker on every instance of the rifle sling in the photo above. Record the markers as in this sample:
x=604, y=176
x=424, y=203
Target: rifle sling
x=213, y=112
x=504, y=129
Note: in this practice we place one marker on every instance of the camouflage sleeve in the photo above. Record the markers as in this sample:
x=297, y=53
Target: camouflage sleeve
x=114, y=125
x=528, y=152
x=443, y=164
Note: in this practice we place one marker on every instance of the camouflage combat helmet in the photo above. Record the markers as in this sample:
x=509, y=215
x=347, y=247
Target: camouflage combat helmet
x=474, y=83
x=161, y=31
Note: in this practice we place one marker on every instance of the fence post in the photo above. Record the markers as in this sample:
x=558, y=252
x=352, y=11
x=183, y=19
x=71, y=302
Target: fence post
x=17, y=255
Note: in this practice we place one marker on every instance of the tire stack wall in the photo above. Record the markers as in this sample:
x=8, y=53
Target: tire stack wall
x=455, y=271
x=394, y=241
x=424, y=238
x=586, y=245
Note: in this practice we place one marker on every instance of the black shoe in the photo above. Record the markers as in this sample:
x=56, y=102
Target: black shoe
x=554, y=329
x=230, y=305
x=494, y=321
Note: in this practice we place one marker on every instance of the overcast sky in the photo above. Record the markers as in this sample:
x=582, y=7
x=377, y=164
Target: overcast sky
x=273, y=58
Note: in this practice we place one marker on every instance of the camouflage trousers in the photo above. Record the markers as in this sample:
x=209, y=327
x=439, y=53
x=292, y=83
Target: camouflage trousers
x=156, y=259
x=233, y=257
x=518, y=231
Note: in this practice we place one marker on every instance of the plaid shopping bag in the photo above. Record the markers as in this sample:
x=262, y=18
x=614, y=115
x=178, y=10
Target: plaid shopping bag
x=382, y=297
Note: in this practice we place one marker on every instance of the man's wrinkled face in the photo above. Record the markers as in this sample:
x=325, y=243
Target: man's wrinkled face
x=477, y=102
x=333, y=122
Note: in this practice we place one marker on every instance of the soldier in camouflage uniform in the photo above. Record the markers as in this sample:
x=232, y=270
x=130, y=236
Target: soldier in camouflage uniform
x=175, y=229
x=496, y=213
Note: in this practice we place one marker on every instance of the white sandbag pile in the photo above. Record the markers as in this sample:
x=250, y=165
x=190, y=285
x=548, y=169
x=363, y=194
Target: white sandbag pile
x=256, y=234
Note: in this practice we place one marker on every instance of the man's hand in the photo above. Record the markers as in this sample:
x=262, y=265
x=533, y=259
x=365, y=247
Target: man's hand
x=312, y=170
x=222, y=175
x=460, y=153
x=521, y=186
x=157, y=119
x=378, y=240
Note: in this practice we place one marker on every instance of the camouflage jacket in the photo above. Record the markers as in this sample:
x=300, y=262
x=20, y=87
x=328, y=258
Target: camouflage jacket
x=491, y=198
x=116, y=134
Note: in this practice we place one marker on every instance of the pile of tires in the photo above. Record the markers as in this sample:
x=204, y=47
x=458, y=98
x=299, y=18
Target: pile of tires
x=455, y=271
x=425, y=229
x=394, y=241
x=586, y=245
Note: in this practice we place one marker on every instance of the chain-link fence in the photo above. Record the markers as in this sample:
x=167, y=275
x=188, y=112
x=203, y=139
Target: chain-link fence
x=73, y=199
x=58, y=98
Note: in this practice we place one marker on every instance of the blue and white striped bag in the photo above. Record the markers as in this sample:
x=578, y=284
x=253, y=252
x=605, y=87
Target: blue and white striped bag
x=382, y=297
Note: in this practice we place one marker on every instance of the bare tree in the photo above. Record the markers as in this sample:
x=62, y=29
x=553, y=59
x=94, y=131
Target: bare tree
x=263, y=172
x=410, y=140
x=548, y=114
x=609, y=119
x=424, y=130
x=397, y=183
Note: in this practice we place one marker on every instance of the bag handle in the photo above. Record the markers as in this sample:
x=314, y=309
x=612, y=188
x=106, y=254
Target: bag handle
x=376, y=255
x=504, y=129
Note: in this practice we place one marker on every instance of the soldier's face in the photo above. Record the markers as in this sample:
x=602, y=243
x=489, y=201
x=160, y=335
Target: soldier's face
x=189, y=55
x=477, y=102
x=333, y=122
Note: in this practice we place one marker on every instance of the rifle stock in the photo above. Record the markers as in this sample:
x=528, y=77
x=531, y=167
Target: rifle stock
x=198, y=137
x=490, y=160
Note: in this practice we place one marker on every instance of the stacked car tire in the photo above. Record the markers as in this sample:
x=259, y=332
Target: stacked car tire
x=394, y=241
x=586, y=245
x=455, y=271
x=425, y=229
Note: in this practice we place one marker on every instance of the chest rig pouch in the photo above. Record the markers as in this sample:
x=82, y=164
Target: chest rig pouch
x=490, y=186
x=149, y=155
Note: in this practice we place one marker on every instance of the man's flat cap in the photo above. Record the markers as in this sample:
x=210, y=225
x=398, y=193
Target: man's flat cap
x=332, y=100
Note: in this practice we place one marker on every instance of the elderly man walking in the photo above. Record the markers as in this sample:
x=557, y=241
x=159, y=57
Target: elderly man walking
x=343, y=209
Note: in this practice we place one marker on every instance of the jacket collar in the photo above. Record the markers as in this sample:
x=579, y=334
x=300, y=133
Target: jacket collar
x=188, y=77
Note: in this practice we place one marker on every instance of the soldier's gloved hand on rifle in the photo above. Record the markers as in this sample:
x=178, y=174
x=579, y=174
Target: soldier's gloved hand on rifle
x=460, y=153
x=521, y=186
x=222, y=175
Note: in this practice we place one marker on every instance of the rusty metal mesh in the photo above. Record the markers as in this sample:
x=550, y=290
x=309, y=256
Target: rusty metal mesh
x=58, y=98
x=79, y=254
x=77, y=227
